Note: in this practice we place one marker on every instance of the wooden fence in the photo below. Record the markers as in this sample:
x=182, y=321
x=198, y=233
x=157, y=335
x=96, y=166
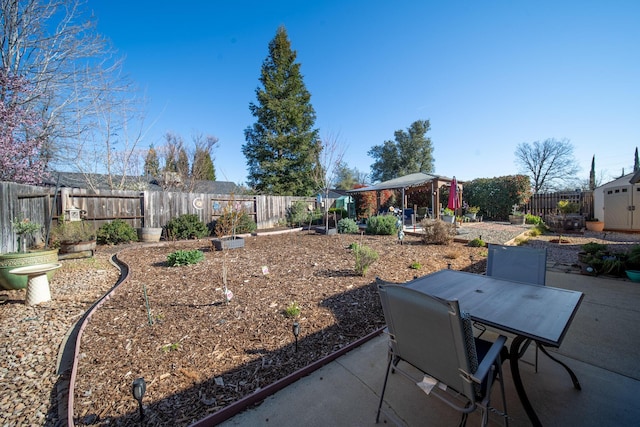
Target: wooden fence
x=140, y=209
x=545, y=205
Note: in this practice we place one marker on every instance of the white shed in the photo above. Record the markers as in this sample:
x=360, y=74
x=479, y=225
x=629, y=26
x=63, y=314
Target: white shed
x=615, y=203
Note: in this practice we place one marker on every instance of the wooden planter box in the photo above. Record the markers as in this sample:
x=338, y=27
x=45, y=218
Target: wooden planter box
x=228, y=243
x=517, y=219
x=329, y=232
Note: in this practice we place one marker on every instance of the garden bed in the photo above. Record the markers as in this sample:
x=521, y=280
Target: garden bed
x=201, y=353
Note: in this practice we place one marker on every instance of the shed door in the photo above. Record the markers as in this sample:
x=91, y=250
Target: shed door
x=635, y=207
x=619, y=211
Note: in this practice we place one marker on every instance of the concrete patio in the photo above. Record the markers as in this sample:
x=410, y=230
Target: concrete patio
x=602, y=347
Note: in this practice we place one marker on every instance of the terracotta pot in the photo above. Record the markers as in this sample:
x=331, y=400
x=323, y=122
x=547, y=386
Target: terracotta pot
x=595, y=225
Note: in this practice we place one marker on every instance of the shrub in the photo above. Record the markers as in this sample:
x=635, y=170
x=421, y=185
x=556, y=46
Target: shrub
x=186, y=226
x=184, y=257
x=298, y=213
x=339, y=211
x=231, y=223
x=633, y=258
x=365, y=257
x=115, y=232
x=437, y=232
x=594, y=247
x=415, y=265
x=477, y=243
x=532, y=219
x=347, y=226
x=382, y=224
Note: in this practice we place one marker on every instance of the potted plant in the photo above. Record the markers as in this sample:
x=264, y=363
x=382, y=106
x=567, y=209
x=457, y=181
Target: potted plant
x=516, y=217
x=232, y=222
x=24, y=230
x=632, y=266
x=471, y=212
x=448, y=215
x=74, y=237
x=593, y=224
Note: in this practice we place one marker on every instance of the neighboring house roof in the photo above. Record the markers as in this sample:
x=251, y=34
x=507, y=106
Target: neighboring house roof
x=138, y=183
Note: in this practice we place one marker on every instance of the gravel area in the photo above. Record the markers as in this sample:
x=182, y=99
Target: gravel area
x=32, y=335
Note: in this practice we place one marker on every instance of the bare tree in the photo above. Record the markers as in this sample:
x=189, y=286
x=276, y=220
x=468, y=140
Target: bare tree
x=549, y=164
x=325, y=175
x=55, y=47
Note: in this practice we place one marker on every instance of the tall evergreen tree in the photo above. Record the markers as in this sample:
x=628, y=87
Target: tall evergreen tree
x=202, y=167
x=152, y=163
x=410, y=153
x=282, y=147
x=183, y=163
x=592, y=174
x=636, y=162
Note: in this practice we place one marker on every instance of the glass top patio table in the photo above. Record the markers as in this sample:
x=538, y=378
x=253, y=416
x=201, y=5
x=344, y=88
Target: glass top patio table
x=541, y=313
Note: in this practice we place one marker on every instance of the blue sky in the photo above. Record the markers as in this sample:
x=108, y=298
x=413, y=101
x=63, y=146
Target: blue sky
x=487, y=74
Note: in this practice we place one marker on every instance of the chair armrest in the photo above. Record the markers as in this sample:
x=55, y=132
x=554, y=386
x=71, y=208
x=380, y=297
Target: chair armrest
x=485, y=364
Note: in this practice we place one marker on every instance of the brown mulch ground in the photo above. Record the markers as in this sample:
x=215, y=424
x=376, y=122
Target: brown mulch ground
x=202, y=353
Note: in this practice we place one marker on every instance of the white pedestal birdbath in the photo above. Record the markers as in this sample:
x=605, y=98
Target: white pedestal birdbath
x=37, y=282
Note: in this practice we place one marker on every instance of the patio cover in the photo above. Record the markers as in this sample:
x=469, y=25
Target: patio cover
x=412, y=180
x=419, y=179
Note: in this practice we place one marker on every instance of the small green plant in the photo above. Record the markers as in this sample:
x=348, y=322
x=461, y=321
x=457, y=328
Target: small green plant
x=292, y=310
x=448, y=212
x=365, y=257
x=382, y=225
x=116, y=232
x=170, y=347
x=415, y=265
x=186, y=226
x=477, y=243
x=532, y=219
x=184, y=257
x=347, y=226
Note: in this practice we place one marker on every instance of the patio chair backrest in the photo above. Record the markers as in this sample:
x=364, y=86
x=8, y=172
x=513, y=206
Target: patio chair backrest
x=428, y=333
x=518, y=263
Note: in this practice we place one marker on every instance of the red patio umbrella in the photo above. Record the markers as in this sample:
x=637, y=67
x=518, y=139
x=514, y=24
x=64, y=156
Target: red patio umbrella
x=454, y=202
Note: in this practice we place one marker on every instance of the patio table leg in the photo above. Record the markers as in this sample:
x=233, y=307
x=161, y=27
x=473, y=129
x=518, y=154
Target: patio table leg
x=514, y=357
x=574, y=378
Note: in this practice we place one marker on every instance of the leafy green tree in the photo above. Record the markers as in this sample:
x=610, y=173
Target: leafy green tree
x=410, y=153
x=282, y=147
x=346, y=177
x=152, y=163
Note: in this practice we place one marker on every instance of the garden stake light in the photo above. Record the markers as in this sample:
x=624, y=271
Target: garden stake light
x=296, y=332
x=138, y=388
